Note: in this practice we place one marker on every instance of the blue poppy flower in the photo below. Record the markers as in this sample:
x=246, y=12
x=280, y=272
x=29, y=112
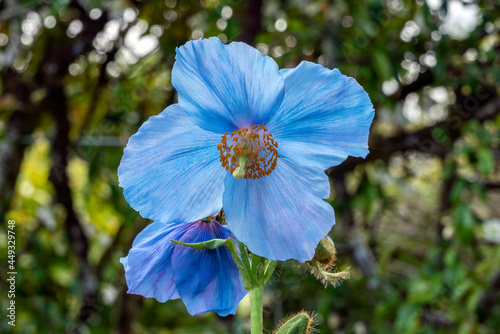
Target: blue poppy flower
x=252, y=139
x=206, y=280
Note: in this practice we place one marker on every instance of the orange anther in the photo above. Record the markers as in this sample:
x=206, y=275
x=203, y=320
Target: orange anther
x=255, y=146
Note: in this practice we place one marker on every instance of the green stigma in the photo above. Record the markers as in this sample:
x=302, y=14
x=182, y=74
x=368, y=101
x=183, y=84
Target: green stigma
x=243, y=161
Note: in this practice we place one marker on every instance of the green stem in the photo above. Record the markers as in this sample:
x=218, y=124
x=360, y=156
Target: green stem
x=256, y=308
x=254, y=275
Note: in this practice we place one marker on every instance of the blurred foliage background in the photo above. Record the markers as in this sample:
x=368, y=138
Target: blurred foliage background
x=418, y=221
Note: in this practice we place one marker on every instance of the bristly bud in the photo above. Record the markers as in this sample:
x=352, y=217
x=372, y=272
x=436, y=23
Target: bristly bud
x=325, y=252
x=323, y=262
x=299, y=323
x=326, y=275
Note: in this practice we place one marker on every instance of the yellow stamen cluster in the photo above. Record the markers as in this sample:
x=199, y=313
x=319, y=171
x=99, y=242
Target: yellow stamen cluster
x=249, y=153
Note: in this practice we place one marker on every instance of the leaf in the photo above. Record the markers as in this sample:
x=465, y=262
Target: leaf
x=486, y=163
x=209, y=244
x=407, y=318
x=464, y=223
x=382, y=64
x=456, y=190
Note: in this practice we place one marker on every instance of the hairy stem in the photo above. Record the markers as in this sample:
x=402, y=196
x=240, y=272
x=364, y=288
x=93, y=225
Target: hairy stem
x=256, y=308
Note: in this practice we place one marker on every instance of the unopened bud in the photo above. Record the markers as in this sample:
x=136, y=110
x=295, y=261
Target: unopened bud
x=300, y=323
x=325, y=252
x=323, y=263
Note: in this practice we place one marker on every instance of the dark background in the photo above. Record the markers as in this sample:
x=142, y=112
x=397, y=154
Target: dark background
x=418, y=220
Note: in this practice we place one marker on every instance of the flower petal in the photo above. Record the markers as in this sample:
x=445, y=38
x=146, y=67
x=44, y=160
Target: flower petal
x=281, y=215
x=170, y=170
x=148, y=265
x=208, y=279
x=224, y=87
x=324, y=118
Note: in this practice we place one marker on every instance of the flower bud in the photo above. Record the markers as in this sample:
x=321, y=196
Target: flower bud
x=325, y=252
x=300, y=323
x=323, y=263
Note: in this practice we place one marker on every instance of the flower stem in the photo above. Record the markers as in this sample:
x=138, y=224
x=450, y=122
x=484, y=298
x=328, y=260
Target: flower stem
x=254, y=274
x=256, y=308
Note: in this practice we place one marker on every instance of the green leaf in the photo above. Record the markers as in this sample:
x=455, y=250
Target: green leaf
x=57, y=5
x=210, y=244
x=244, y=256
x=242, y=264
x=407, y=318
x=486, y=162
x=448, y=170
x=464, y=223
x=456, y=190
x=382, y=64
x=271, y=265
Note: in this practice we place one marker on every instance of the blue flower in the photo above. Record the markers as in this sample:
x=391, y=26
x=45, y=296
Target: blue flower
x=206, y=280
x=252, y=139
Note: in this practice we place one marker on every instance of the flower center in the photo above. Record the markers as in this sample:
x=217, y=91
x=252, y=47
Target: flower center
x=249, y=153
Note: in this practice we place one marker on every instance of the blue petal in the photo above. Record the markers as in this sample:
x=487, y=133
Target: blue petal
x=170, y=170
x=281, y=215
x=324, y=118
x=148, y=265
x=207, y=280
x=224, y=87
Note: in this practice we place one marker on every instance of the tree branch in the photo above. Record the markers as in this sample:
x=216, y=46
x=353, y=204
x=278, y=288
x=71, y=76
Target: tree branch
x=21, y=123
x=422, y=140
x=57, y=103
x=488, y=299
x=251, y=21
